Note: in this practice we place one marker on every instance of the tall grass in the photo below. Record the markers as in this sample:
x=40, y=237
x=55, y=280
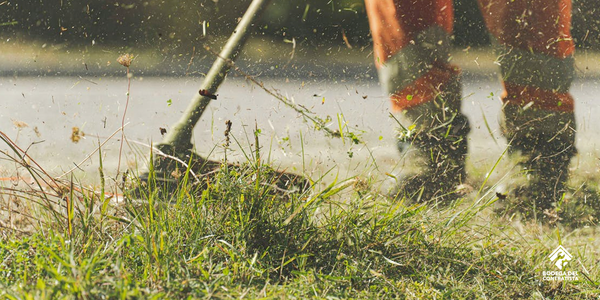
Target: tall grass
x=240, y=235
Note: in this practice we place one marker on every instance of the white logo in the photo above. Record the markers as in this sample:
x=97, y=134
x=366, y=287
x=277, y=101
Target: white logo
x=562, y=257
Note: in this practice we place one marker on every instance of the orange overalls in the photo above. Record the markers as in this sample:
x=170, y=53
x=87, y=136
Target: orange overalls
x=412, y=53
x=412, y=41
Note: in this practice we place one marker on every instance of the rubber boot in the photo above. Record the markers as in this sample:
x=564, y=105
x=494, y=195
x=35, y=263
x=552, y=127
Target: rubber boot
x=436, y=143
x=543, y=142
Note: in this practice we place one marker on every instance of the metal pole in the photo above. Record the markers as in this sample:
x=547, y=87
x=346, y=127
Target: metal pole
x=180, y=136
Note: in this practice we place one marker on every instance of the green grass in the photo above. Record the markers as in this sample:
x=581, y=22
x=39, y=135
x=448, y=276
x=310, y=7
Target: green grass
x=241, y=237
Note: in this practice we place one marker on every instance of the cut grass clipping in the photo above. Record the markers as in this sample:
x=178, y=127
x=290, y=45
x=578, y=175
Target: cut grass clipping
x=242, y=237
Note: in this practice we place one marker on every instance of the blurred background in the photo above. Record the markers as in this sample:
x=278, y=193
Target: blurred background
x=171, y=31
x=172, y=26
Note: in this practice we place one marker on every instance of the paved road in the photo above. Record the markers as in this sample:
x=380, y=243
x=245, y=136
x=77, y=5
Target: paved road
x=44, y=110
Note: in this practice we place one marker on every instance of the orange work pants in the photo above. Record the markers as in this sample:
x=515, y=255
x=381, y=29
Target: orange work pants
x=412, y=49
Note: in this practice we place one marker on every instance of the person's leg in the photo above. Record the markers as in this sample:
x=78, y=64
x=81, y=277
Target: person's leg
x=535, y=54
x=411, y=41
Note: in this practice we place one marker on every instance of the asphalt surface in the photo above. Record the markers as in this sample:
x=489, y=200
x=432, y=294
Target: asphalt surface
x=39, y=114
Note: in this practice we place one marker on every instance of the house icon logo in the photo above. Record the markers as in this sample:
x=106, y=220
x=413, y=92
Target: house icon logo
x=561, y=256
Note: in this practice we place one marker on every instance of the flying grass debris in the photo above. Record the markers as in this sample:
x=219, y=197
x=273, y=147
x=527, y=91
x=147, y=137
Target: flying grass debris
x=227, y=131
x=319, y=123
x=76, y=135
x=20, y=124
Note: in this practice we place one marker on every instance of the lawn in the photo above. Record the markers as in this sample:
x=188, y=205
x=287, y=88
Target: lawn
x=235, y=233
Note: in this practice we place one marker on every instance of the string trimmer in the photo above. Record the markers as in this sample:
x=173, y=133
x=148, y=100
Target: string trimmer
x=177, y=145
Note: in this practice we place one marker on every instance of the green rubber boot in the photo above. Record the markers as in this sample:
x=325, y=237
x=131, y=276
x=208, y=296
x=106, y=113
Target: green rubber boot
x=435, y=143
x=543, y=143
